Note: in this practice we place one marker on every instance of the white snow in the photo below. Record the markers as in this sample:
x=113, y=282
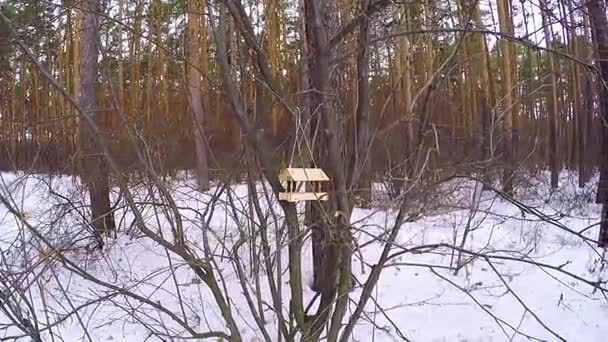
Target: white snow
x=421, y=305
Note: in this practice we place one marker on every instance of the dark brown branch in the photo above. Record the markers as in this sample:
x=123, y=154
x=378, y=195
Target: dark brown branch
x=349, y=27
x=237, y=11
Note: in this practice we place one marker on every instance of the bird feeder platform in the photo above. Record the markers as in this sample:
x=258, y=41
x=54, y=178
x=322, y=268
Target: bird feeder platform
x=303, y=184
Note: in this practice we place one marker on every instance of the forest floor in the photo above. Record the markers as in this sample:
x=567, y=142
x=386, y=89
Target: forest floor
x=417, y=297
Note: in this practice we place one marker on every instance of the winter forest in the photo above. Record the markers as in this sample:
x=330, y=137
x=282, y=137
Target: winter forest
x=303, y=170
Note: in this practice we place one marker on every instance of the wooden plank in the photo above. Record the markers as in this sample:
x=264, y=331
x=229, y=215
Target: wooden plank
x=304, y=175
x=303, y=196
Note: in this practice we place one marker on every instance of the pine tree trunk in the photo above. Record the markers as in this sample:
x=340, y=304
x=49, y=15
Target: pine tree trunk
x=272, y=13
x=76, y=35
x=121, y=72
x=193, y=77
x=95, y=170
x=552, y=105
x=134, y=104
x=506, y=75
x=361, y=172
x=599, y=26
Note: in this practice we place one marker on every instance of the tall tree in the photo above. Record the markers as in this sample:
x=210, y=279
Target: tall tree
x=95, y=169
x=599, y=26
x=551, y=102
x=318, y=27
x=320, y=24
x=488, y=98
x=195, y=100
x=121, y=73
x=576, y=87
x=360, y=171
x=506, y=73
x=272, y=13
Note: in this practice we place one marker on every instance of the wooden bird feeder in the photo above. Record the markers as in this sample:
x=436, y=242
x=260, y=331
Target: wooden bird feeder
x=303, y=185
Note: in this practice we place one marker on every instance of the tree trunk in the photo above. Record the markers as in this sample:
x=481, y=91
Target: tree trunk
x=506, y=74
x=193, y=77
x=552, y=105
x=76, y=41
x=583, y=144
x=586, y=47
x=361, y=170
x=272, y=13
x=599, y=26
x=335, y=246
x=404, y=95
x=204, y=58
x=121, y=72
x=95, y=170
x=134, y=56
x=488, y=118
x=323, y=275
x=482, y=71
x=577, y=104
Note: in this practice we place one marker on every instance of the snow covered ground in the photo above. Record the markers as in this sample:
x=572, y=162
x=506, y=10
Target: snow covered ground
x=505, y=294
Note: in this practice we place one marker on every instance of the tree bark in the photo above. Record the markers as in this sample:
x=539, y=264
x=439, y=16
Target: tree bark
x=121, y=73
x=319, y=82
x=195, y=101
x=134, y=59
x=506, y=74
x=576, y=90
x=361, y=169
x=95, y=169
x=334, y=220
x=552, y=104
x=487, y=120
x=272, y=13
x=599, y=26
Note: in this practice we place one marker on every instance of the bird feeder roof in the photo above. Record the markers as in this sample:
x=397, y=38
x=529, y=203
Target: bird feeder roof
x=303, y=175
